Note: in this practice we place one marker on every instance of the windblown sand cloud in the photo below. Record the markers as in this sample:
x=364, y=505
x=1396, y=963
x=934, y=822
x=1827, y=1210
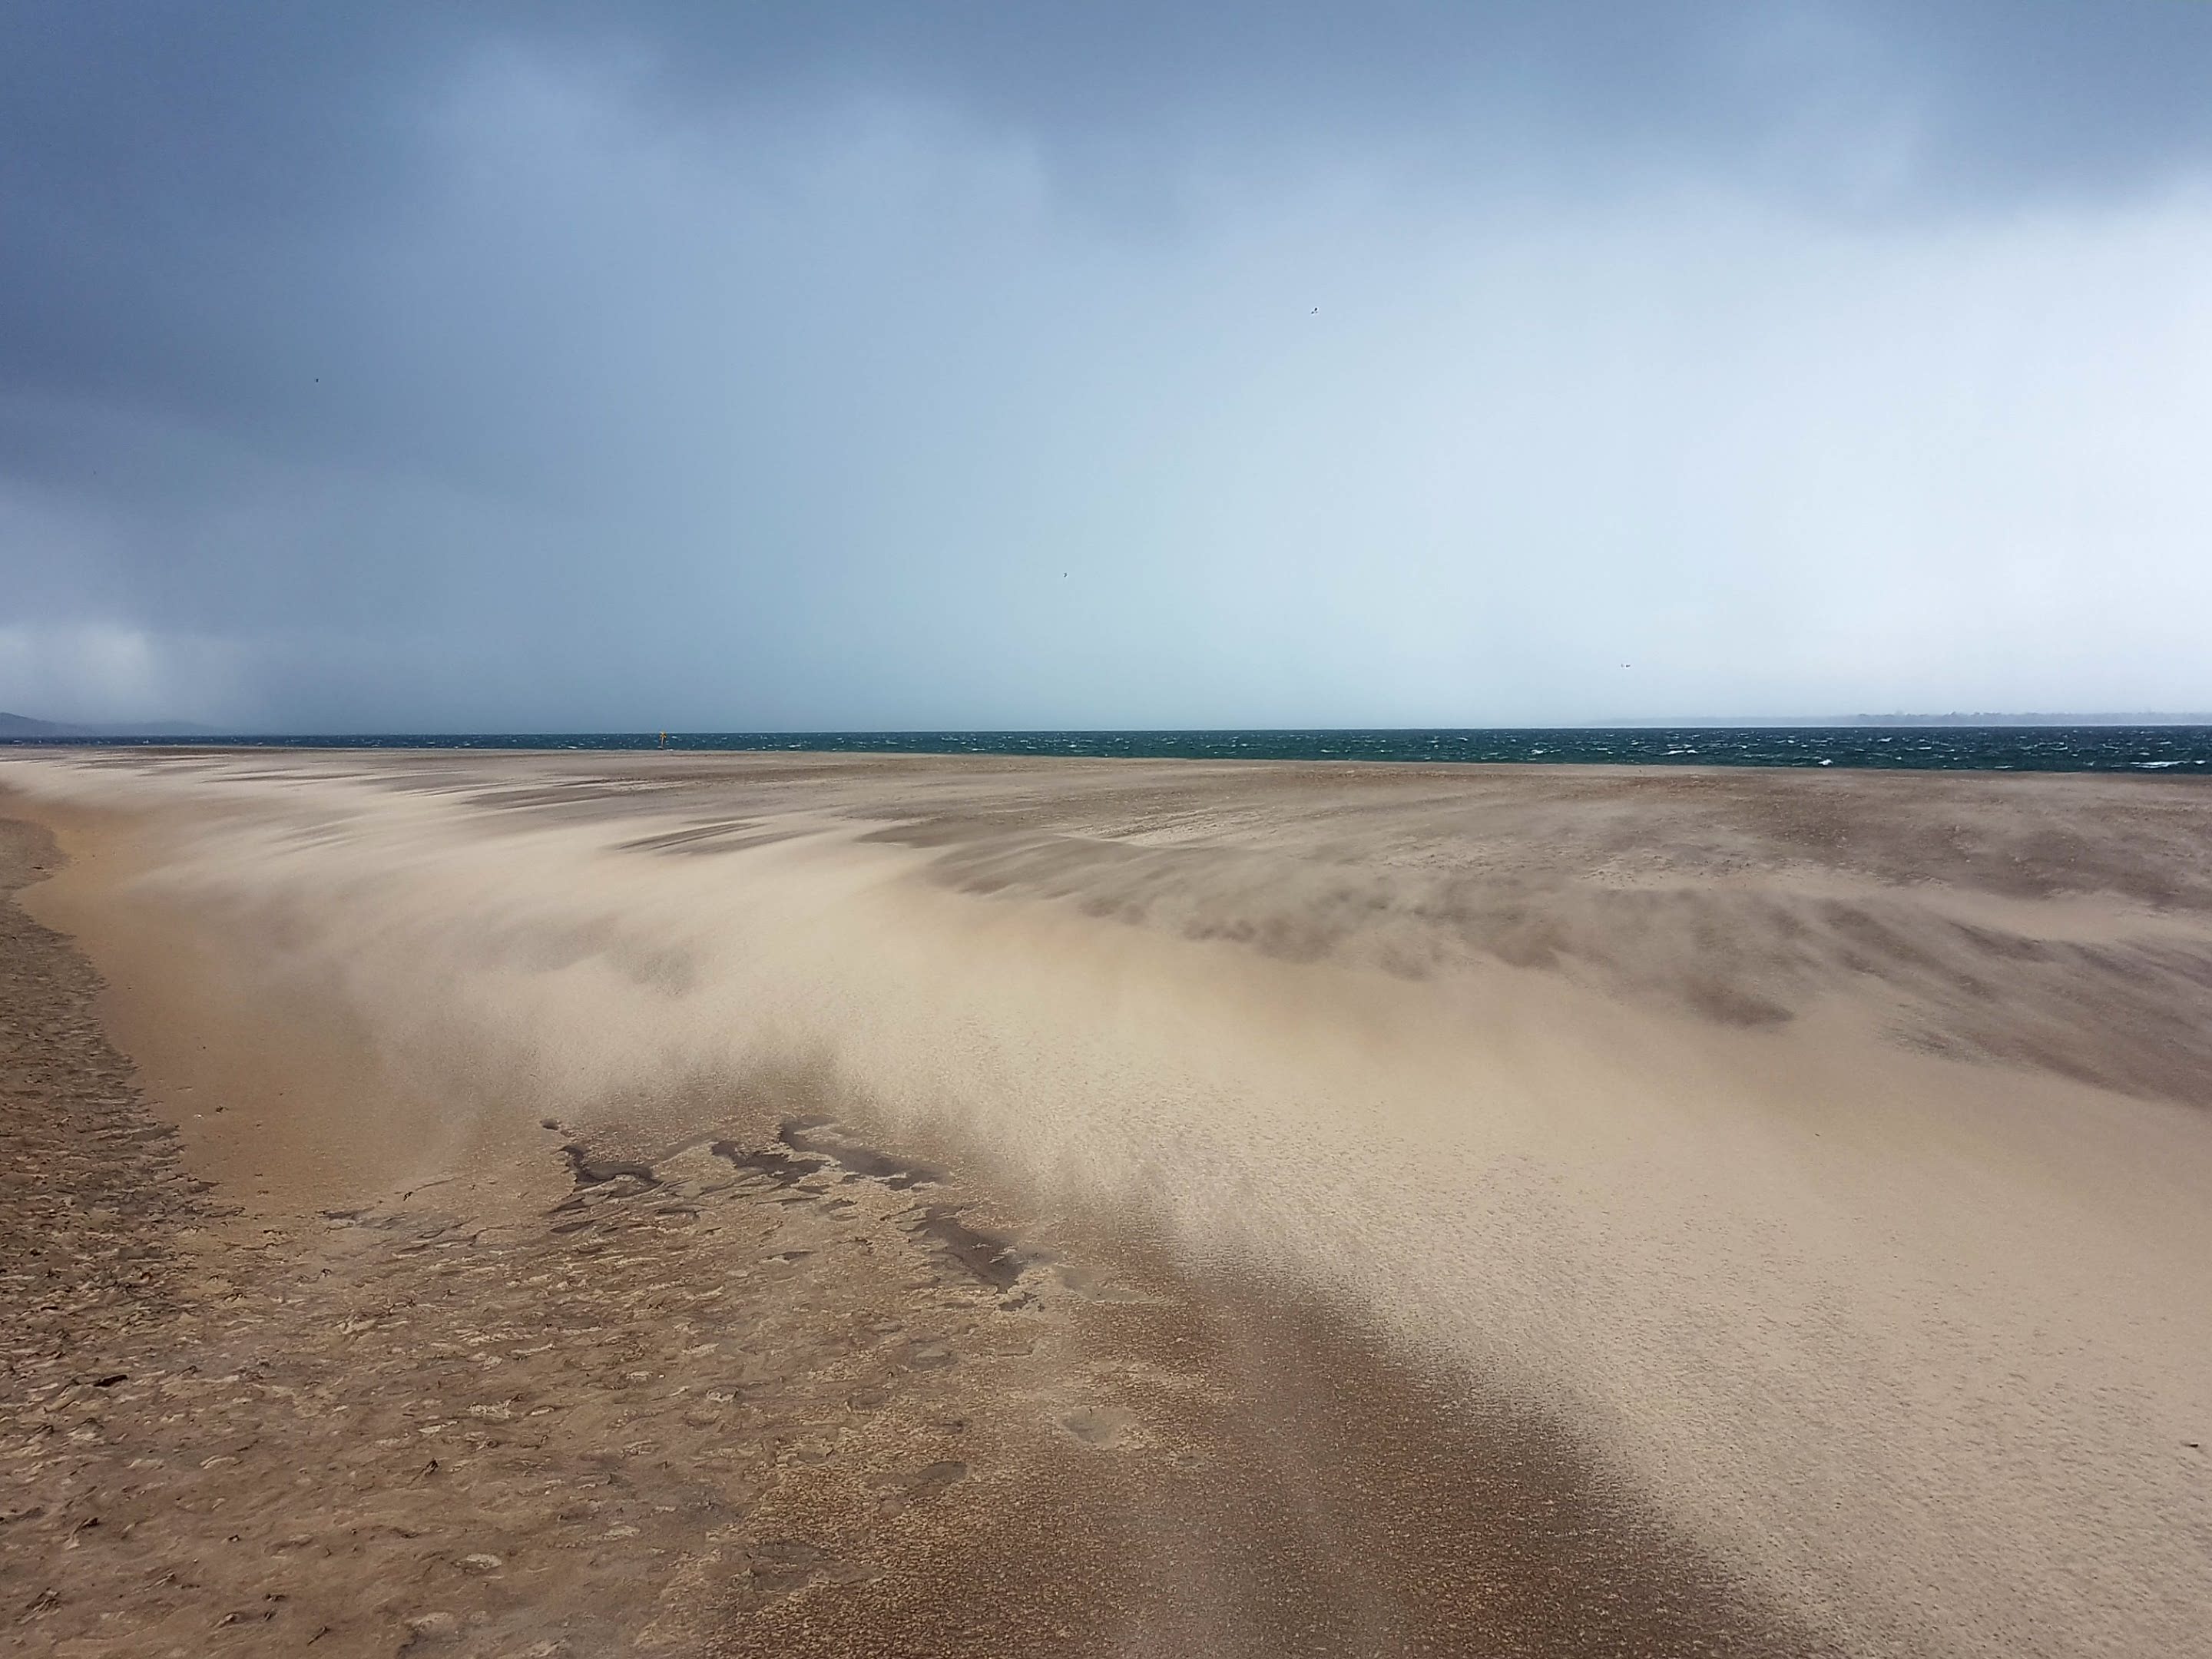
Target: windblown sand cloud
x=1806, y=1197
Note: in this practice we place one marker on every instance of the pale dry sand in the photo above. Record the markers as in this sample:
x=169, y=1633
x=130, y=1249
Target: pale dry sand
x=1500, y=1210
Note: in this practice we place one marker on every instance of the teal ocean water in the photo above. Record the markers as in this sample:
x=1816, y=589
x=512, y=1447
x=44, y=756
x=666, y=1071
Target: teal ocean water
x=2186, y=750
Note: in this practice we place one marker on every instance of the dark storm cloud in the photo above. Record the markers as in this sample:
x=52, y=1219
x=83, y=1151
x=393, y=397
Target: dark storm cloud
x=277, y=109
x=397, y=355
x=188, y=190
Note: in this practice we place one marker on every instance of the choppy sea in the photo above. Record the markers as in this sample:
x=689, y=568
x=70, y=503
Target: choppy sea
x=2184, y=749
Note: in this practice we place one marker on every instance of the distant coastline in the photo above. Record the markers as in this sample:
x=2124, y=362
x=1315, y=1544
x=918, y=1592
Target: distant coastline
x=1962, y=743
x=1816, y=722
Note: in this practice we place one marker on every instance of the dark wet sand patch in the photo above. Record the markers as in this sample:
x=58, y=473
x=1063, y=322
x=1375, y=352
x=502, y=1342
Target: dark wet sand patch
x=731, y=836
x=590, y=1170
x=993, y=1258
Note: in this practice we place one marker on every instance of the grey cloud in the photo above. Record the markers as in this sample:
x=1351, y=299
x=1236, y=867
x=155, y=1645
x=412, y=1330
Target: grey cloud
x=578, y=364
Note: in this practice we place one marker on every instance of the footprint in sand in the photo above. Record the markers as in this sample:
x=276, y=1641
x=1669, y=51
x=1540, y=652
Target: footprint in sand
x=1098, y=1426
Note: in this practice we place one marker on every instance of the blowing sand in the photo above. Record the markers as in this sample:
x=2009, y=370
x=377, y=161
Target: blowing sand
x=573, y=1204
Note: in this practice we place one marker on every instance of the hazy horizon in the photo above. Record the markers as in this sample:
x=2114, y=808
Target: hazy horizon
x=13, y=725
x=486, y=367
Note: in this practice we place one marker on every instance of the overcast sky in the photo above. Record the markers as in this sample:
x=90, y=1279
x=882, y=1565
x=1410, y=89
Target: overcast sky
x=570, y=366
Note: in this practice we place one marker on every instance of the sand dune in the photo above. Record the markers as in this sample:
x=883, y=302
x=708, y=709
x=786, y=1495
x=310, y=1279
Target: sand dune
x=1817, y=1164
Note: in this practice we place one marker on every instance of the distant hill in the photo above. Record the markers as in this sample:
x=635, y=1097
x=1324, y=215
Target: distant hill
x=22, y=727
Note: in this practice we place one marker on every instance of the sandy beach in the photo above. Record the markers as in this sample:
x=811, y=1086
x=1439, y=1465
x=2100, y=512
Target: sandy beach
x=547, y=1204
